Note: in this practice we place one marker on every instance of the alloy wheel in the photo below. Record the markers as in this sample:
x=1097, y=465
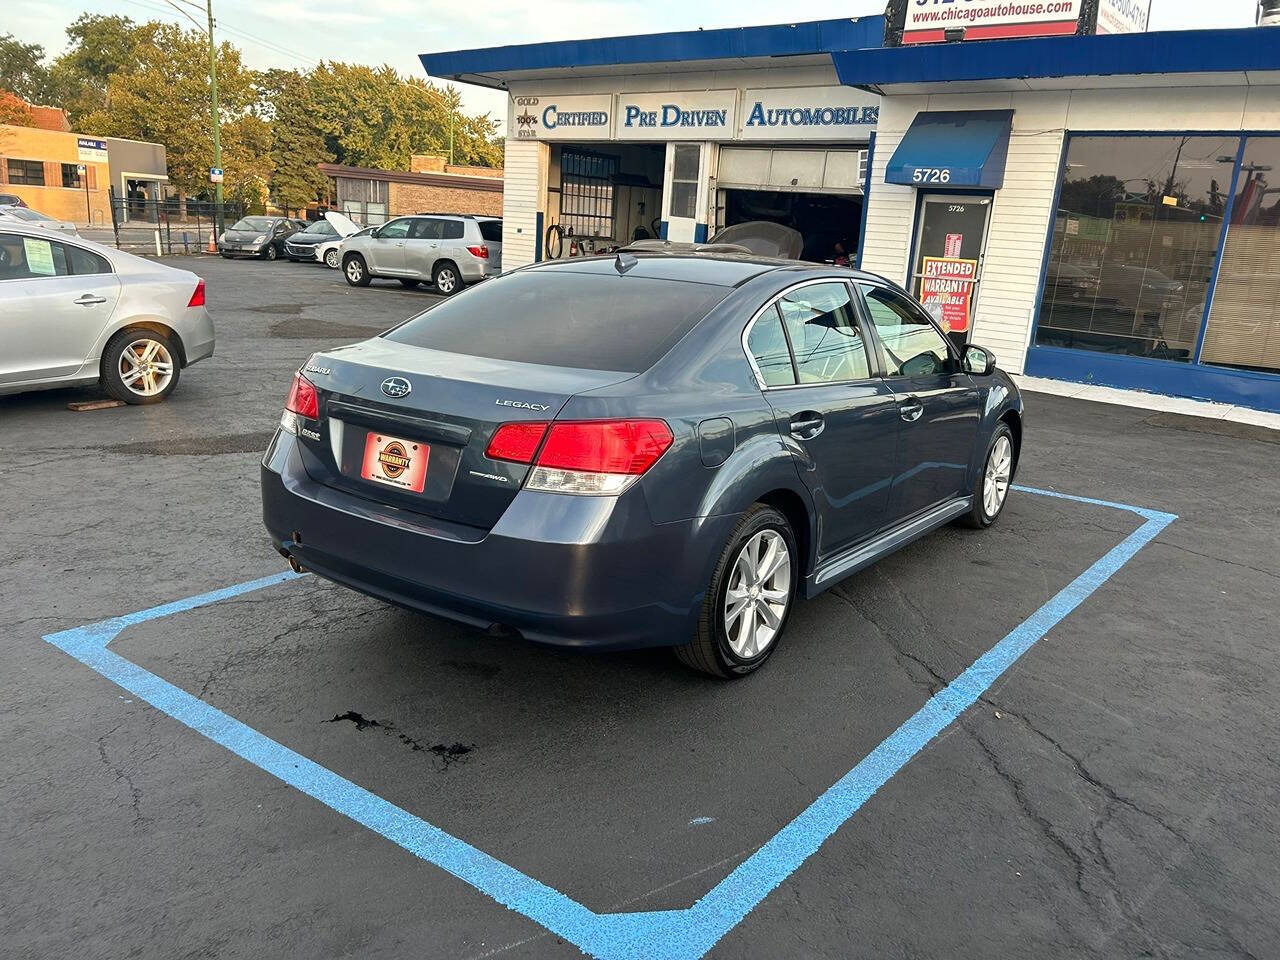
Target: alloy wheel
x=146, y=367
x=759, y=590
x=354, y=271
x=995, y=481
x=446, y=281
x=331, y=259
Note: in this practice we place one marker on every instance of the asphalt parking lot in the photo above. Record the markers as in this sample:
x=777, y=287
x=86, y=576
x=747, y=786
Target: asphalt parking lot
x=1113, y=794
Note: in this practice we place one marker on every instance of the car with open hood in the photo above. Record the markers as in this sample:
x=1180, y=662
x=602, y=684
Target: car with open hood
x=319, y=238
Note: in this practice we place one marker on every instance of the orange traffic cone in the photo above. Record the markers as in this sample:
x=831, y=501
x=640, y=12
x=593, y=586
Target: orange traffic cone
x=213, y=244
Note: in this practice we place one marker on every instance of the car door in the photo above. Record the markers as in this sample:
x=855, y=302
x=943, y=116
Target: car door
x=422, y=246
x=938, y=404
x=836, y=414
x=55, y=300
x=386, y=247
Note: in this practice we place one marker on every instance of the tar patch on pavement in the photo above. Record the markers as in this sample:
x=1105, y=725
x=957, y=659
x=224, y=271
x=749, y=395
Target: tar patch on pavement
x=445, y=754
x=194, y=446
x=284, y=309
x=300, y=328
x=1223, y=428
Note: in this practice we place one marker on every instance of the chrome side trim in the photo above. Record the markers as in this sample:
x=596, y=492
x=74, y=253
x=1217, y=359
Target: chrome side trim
x=868, y=553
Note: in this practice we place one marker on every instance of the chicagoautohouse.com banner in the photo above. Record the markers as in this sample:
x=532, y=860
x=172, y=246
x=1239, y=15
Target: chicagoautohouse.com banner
x=927, y=20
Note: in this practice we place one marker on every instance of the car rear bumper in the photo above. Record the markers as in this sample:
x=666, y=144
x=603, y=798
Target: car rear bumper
x=563, y=570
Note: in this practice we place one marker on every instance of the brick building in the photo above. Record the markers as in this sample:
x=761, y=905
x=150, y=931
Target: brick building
x=43, y=168
x=371, y=196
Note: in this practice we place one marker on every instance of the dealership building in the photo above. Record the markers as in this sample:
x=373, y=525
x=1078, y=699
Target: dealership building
x=1094, y=208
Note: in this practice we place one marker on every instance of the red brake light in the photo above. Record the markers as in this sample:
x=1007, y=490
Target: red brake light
x=302, y=398
x=197, y=298
x=516, y=441
x=605, y=446
x=482, y=252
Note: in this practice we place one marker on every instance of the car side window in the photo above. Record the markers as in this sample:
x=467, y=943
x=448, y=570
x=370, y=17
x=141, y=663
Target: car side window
x=912, y=344
x=450, y=229
x=395, y=230
x=424, y=228
x=28, y=258
x=83, y=262
x=768, y=346
x=823, y=330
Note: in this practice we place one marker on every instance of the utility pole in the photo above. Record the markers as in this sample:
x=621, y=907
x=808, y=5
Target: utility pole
x=217, y=138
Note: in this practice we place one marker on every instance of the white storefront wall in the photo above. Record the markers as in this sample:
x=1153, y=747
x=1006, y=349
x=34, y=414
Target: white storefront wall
x=1023, y=206
x=753, y=107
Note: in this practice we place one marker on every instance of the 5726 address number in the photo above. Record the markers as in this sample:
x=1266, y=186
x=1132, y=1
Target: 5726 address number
x=931, y=175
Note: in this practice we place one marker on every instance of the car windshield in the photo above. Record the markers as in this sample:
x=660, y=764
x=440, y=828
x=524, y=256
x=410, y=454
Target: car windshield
x=564, y=319
x=321, y=228
x=253, y=223
x=25, y=213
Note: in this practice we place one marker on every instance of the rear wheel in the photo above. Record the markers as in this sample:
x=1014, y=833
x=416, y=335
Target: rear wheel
x=409, y=284
x=446, y=278
x=749, y=598
x=992, y=487
x=331, y=259
x=140, y=366
x=355, y=270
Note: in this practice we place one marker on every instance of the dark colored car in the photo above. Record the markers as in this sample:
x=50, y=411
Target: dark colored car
x=11, y=200
x=257, y=237
x=662, y=449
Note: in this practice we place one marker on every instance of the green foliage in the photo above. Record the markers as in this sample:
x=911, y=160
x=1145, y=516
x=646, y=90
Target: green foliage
x=100, y=47
x=297, y=140
x=22, y=69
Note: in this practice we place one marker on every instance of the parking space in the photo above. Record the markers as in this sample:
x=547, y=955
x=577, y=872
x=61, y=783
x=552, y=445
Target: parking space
x=1111, y=794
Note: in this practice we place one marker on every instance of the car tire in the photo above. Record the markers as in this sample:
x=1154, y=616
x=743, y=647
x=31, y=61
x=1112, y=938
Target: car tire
x=123, y=360
x=271, y=253
x=409, y=284
x=332, y=260
x=991, y=489
x=447, y=279
x=728, y=645
x=356, y=271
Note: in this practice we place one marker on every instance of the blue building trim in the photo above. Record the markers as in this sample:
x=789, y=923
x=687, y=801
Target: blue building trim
x=537, y=237
x=699, y=233
x=1166, y=52
x=779, y=40
x=1246, y=388
x=1222, y=245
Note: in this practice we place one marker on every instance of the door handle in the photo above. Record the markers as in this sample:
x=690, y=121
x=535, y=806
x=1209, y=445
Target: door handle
x=911, y=409
x=807, y=425
x=88, y=299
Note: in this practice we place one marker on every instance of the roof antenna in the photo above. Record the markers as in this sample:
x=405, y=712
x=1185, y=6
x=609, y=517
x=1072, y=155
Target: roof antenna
x=624, y=263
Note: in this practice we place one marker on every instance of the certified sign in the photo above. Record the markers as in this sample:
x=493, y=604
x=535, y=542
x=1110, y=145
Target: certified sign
x=91, y=151
x=688, y=115
x=587, y=117
x=946, y=290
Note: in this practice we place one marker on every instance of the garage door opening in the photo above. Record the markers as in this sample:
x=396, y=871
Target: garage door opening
x=816, y=191
x=600, y=196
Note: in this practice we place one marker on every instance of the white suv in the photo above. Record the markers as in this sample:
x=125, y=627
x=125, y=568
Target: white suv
x=446, y=250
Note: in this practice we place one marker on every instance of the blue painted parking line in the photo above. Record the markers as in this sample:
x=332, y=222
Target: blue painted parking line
x=661, y=935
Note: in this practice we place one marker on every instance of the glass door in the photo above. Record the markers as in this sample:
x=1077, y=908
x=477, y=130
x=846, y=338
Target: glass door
x=951, y=237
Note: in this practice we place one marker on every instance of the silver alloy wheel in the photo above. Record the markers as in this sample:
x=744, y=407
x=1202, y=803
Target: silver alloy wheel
x=995, y=482
x=146, y=367
x=446, y=280
x=759, y=590
x=354, y=270
x=331, y=259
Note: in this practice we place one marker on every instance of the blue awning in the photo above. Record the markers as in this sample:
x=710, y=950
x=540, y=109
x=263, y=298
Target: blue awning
x=953, y=148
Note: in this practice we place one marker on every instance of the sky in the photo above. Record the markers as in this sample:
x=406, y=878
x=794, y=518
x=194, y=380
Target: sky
x=298, y=33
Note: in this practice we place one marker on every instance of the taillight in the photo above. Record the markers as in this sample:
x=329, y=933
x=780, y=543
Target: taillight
x=482, y=252
x=197, y=298
x=517, y=442
x=303, y=401
x=601, y=457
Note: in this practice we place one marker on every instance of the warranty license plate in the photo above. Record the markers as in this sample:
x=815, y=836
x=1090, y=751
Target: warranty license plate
x=395, y=462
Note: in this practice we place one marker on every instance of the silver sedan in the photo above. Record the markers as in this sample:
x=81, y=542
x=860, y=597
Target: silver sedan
x=75, y=312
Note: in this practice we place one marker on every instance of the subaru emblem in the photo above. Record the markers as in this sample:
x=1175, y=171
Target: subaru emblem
x=396, y=387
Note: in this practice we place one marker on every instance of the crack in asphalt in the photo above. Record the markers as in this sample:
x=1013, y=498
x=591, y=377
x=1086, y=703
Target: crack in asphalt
x=135, y=793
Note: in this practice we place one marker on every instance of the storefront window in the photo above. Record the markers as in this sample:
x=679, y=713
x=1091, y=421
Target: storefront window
x=586, y=193
x=684, y=181
x=1134, y=242
x=1244, y=323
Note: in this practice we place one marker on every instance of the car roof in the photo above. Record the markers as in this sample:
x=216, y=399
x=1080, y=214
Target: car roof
x=721, y=269
x=121, y=260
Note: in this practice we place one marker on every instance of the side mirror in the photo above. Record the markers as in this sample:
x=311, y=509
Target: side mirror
x=978, y=361
x=375, y=233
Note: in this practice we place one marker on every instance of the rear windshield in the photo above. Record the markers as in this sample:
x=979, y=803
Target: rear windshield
x=564, y=319
x=491, y=230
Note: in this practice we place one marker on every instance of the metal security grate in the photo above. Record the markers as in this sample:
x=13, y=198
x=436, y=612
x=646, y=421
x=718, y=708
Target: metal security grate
x=586, y=193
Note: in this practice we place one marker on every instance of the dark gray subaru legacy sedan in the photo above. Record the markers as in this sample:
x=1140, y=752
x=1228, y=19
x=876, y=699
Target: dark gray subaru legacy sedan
x=658, y=449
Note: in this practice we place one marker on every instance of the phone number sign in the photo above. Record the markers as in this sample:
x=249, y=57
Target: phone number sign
x=946, y=290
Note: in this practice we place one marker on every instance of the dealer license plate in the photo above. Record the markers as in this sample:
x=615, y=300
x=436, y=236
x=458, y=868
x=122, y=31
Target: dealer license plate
x=395, y=462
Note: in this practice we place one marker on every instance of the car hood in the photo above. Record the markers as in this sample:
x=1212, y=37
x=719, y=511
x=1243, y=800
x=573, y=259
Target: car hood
x=245, y=236
x=307, y=239
x=344, y=225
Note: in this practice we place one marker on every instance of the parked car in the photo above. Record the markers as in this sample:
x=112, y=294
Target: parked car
x=305, y=244
x=262, y=237
x=653, y=449
x=11, y=200
x=34, y=218
x=330, y=252
x=74, y=312
x=445, y=250
x=491, y=233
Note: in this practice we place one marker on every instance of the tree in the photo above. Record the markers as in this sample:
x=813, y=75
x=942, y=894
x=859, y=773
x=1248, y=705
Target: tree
x=22, y=69
x=101, y=47
x=14, y=110
x=297, y=139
